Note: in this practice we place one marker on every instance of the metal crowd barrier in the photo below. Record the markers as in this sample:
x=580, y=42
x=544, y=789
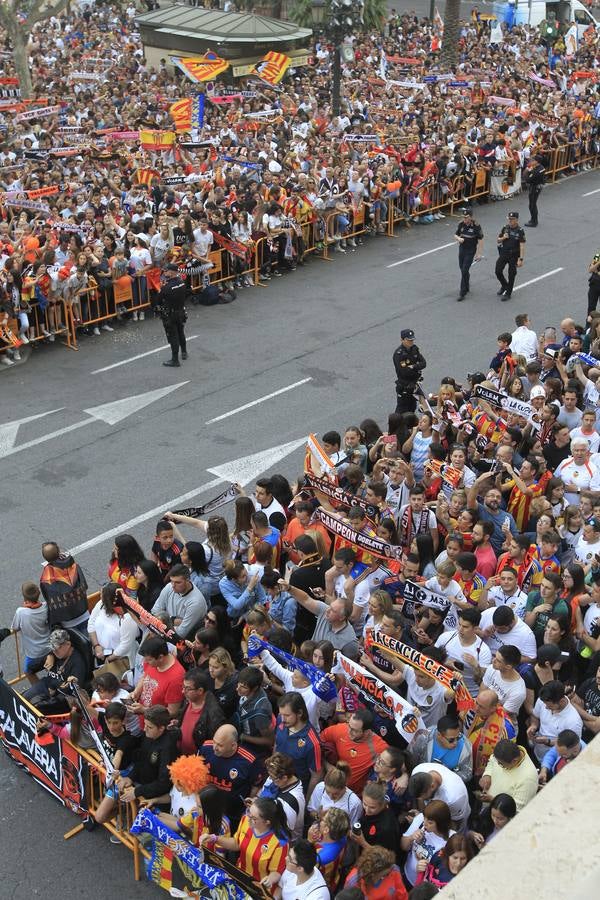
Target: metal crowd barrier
x=40, y=326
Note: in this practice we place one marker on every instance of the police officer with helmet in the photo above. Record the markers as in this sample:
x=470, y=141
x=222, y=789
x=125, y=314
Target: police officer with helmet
x=511, y=250
x=470, y=238
x=408, y=363
x=172, y=312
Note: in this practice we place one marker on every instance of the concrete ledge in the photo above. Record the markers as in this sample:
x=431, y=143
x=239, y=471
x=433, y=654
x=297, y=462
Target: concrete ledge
x=551, y=850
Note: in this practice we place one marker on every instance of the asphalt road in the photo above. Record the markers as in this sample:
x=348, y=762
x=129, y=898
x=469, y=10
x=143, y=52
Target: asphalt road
x=332, y=326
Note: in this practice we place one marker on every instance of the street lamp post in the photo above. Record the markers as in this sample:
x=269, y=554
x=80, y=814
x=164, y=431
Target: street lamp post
x=345, y=18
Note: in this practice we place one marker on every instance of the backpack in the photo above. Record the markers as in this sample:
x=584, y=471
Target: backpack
x=208, y=296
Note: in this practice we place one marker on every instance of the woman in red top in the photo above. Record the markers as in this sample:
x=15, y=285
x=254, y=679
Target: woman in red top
x=377, y=875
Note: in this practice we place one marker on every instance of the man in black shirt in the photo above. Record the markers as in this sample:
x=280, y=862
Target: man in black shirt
x=308, y=577
x=64, y=661
x=150, y=776
x=470, y=238
x=173, y=315
x=511, y=250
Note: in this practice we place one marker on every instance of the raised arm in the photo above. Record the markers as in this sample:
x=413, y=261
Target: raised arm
x=301, y=597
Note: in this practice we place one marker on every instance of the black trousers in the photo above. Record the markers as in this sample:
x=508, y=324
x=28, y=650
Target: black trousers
x=593, y=295
x=174, y=329
x=534, y=193
x=510, y=260
x=405, y=401
x=466, y=256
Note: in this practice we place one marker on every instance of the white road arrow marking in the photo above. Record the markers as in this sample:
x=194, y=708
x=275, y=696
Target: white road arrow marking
x=247, y=468
x=243, y=470
x=111, y=413
x=117, y=410
x=8, y=431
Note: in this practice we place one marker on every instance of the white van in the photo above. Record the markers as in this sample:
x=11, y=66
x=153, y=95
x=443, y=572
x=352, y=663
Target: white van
x=535, y=11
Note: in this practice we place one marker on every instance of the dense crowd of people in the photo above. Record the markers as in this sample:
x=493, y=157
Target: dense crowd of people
x=471, y=541
x=212, y=664
x=90, y=215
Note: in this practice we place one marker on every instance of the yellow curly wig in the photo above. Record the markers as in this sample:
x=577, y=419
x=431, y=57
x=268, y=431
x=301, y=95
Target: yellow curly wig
x=189, y=773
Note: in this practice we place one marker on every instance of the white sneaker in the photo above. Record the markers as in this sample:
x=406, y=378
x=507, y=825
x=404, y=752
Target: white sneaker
x=107, y=327
x=97, y=331
x=24, y=338
x=46, y=333
x=351, y=242
x=248, y=281
x=5, y=361
x=441, y=216
x=16, y=355
x=135, y=317
x=51, y=338
x=142, y=316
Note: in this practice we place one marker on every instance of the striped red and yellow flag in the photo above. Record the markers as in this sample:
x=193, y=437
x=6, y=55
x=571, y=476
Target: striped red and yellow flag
x=157, y=140
x=181, y=113
x=201, y=68
x=272, y=67
x=145, y=176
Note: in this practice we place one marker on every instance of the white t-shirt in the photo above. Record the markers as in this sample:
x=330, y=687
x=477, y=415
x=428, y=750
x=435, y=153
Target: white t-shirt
x=455, y=650
x=585, y=551
x=586, y=477
x=363, y=591
x=273, y=508
x=181, y=804
x=427, y=846
x=517, y=601
x=203, y=241
x=452, y=790
x=510, y=693
x=524, y=343
x=591, y=620
x=423, y=521
x=312, y=889
x=552, y=723
x=452, y=592
x=397, y=496
x=140, y=257
x=294, y=811
x=520, y=636
x=349, y=802
x=430, y=700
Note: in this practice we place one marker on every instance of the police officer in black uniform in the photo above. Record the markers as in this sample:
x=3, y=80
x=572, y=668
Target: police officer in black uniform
x=470, y=238
x=408, y=363
x=171, y=303
x=535, y=175
x=511, y=250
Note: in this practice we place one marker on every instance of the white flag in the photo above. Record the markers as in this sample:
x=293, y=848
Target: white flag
x=496, y=35
x=571, y=40
x=383, y=66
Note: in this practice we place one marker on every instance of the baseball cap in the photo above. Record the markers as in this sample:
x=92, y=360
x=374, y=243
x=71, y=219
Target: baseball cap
x=537, y=391
x=407, y=334
x=594, y=522
x=513, y=215
x=466, y=211
x=58, y=638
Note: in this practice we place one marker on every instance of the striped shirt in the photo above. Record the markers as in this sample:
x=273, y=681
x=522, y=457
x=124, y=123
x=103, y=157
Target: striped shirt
x=329, y=860
x=260, y=854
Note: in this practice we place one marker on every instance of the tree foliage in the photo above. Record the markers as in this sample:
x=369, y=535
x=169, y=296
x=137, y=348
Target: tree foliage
x=451, y=33
x=374, y=13
x=18, y=18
